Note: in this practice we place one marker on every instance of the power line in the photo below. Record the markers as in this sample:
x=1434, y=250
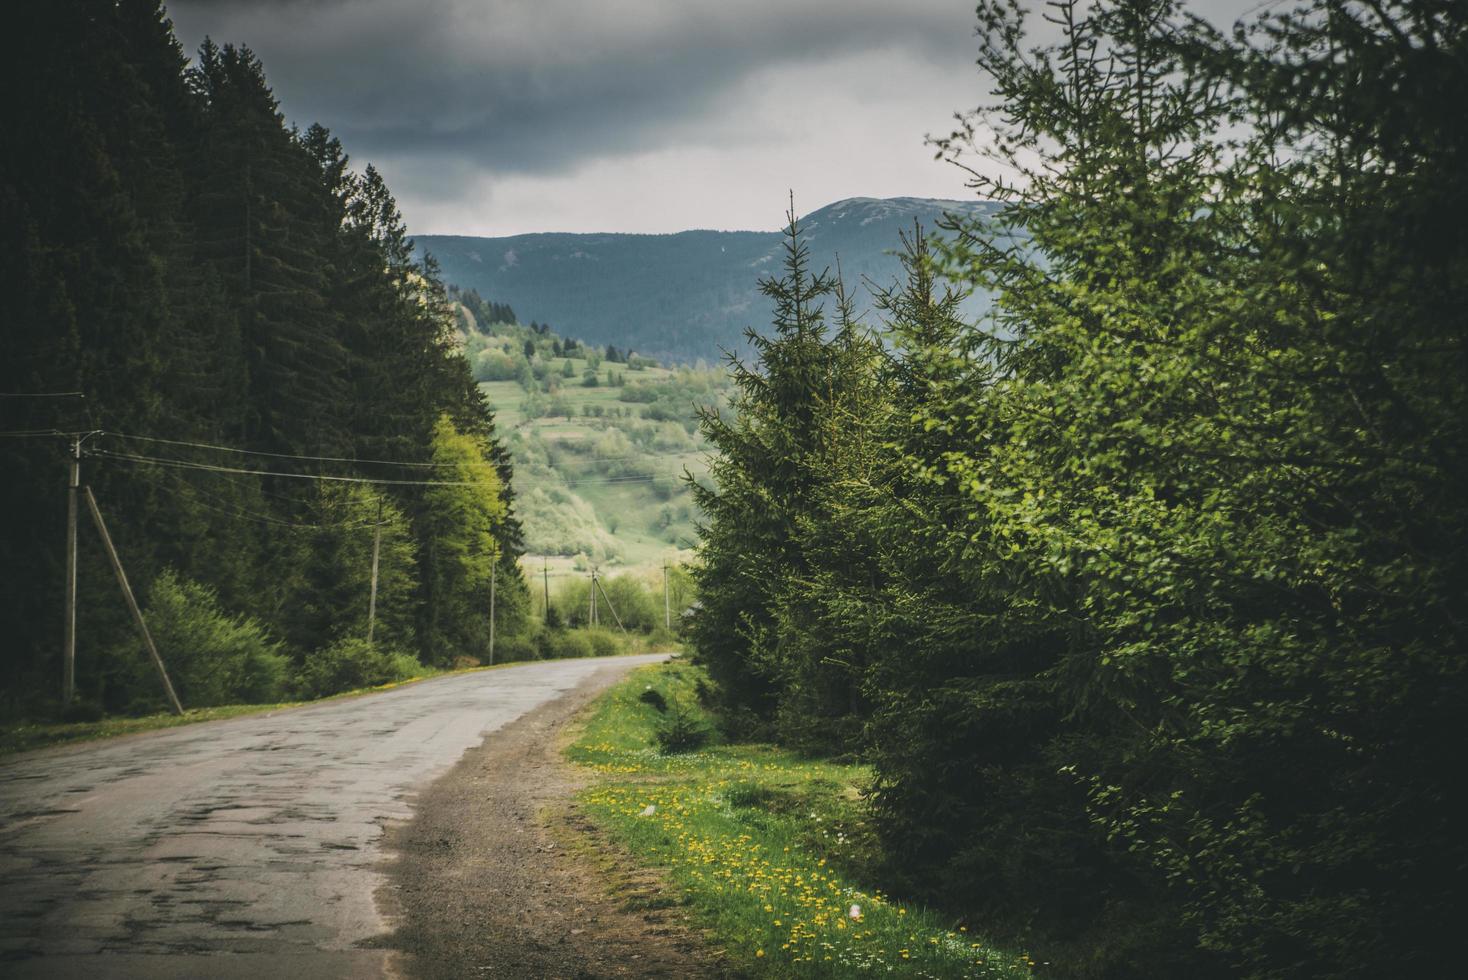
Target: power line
x=519, y=483
x=253, y=487
x=532, y=483
x=37, y=433
x=256, y=452
x=267, y=519
x=41, y=394
x=575, y=458
x=1260, y=6
x=198, y=497
x=210, y=468
x=610, y=481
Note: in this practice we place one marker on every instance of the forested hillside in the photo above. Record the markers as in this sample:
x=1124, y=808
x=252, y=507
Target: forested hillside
x=602, y=438
x=684, y=297
x=1144, y=594
x=264, y=384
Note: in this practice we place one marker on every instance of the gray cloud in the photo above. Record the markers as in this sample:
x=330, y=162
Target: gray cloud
x=503, y=116
x=520, y=86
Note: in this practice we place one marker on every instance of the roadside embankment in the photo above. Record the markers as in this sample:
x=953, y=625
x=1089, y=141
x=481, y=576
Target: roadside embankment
x=768, y=849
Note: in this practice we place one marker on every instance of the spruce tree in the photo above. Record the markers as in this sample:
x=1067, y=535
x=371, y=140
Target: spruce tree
x=760, y=487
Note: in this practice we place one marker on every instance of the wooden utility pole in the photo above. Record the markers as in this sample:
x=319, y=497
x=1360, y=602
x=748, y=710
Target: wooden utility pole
x=591, y=613
x=492, y=569
x=68, y=649
x=132, y=602
x=597, y=583
x=376, y=549
x=545, y=580
x=667, y=609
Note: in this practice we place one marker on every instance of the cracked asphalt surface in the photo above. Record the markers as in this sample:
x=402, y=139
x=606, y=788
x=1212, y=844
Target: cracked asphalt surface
x=241, y=848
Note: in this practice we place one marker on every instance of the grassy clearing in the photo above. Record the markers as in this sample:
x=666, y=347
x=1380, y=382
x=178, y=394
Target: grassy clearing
x=765, y=846
x=605, y=484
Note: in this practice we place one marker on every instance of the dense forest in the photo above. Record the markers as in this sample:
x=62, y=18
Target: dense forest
x=264, y=383
x=1144, y=594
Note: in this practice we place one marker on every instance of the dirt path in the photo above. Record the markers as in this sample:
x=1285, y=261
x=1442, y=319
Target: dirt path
x=497, y=875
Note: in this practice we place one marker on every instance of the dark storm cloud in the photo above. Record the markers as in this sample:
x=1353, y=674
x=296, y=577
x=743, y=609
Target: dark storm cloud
x=508, y=86
x=507, y=116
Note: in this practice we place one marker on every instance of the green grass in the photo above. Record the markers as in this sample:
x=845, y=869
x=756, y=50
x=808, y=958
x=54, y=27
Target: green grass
x=26, y=736
x=765, y=846
x=505, y=396
x=643, y=544
x=611, y=521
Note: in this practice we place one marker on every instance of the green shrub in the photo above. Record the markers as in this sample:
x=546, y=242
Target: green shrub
x=212, y=657
x=404, y=666
x=680, y=730
x=568, y=644
x=82, y=709
x=512, y=649
x=345, y=665
x=638, y=603
x=497, y=365
x=604, y=644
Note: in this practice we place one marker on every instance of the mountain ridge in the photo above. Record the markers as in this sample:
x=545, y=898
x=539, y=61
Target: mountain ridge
x=681, y=296
x=919, y=204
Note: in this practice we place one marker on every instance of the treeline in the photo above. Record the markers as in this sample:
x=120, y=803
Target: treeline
x=274, y=377
x=1144, y=596
x=500, y=349
x=633, y=613
x=486, y=312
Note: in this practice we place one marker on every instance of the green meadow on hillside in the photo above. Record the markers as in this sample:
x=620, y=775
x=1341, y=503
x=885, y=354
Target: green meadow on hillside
x=602, y=442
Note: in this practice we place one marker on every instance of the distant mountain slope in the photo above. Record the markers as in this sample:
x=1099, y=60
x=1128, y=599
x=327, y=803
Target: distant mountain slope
x=681, y=296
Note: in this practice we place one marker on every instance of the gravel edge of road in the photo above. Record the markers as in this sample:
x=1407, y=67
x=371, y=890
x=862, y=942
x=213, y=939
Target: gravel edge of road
x=498, y=874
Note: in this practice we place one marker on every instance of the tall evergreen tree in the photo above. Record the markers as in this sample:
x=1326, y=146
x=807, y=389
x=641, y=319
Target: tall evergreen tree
x=760, y=488
x=272, y=209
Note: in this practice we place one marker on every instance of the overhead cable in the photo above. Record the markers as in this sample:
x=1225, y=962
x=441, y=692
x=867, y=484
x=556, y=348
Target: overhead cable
x=211, y=468
x=41, y=394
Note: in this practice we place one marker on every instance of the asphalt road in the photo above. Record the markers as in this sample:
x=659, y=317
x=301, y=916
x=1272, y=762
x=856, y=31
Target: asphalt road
x=239, y=848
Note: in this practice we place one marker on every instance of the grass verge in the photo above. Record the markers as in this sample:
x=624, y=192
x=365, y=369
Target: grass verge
x=763, y=844
x=30, y=735
x=25, y=736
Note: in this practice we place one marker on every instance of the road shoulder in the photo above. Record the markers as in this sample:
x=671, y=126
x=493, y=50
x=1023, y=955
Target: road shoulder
x=498, y=875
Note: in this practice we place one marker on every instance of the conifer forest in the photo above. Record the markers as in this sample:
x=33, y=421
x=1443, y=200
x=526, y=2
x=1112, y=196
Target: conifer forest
x=1143, y=592
x=227, y=318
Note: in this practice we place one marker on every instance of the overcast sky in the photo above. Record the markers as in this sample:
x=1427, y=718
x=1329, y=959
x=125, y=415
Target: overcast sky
x=497, y=117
